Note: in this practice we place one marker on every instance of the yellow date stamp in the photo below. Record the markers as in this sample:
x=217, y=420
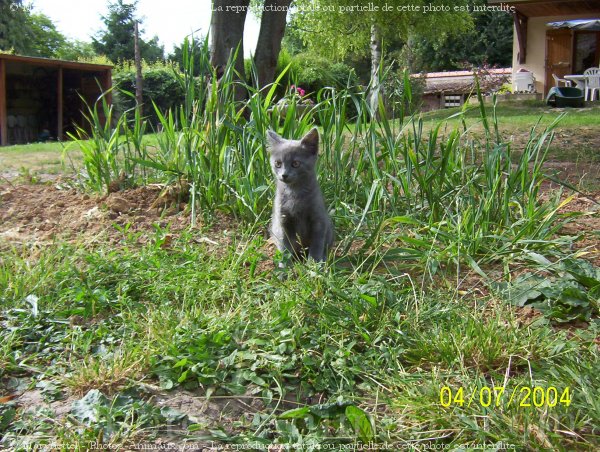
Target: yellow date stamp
x=498, y=396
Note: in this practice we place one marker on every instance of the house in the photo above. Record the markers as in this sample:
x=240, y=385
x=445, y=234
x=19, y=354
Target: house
x=452, y=88
x=543, y=46
x=43, y=98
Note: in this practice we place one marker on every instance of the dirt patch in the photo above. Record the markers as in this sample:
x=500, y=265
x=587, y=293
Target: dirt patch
x=41, y=214
x=578, y=174
x=34, y=399
x=586, y=226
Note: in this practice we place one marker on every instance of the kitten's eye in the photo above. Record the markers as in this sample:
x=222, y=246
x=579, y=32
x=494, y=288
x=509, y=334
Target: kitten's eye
x=295, y=164
x=278, y=164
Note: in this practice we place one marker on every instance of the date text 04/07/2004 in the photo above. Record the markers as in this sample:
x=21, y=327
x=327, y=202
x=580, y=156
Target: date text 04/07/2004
x=497, y=396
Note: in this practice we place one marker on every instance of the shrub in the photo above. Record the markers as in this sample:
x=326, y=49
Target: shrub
x=313, y=72
x=161, y=86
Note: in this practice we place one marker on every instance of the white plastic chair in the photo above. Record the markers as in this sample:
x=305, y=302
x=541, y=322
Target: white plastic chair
x=592, y=83
x=558, y=80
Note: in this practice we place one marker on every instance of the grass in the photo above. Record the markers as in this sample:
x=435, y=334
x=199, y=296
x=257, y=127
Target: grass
x=50, y=158
x=576, y=139
x=519, y=114
x=35, y=158
x=382, y=345
x=113, y=319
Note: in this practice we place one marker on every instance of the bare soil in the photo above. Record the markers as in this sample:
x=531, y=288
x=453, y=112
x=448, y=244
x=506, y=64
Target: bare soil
x=39, y=214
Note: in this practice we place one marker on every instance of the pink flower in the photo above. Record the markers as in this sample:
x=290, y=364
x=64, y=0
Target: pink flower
x=297, y=90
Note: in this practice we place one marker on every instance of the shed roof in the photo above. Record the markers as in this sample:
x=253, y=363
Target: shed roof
x=56, y=63
x=577, y=24
x=463, y=81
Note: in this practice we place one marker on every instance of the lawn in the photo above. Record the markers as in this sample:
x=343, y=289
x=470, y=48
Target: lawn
x=576, y=140
x=458, y=310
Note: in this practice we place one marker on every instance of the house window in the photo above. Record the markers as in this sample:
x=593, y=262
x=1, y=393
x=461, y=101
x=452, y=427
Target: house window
x=452, y=100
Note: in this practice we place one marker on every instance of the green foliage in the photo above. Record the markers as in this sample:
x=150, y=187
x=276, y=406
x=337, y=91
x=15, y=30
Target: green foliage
x=313, y=73
x=396, y=86
x=34, y=34
x=111, y=150
x=117, y=40
x=311, y=426
x=570, y=289
x=78, y=51
x=197, y=47
x=467, y=201
x=116, y=416
x=13, y=26
x=488, y=43
x=161, y=88
x=333, y=28
x=345, y=354
x=45, y=39
x=292, y=42
x=353, y=352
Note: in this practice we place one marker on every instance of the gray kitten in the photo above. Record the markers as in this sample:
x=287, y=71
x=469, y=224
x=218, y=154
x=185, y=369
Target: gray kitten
x=300, y=219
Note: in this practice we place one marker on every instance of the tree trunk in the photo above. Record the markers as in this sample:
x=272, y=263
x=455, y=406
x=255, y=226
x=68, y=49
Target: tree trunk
x=227, y=33
x=376, y=89
x=410, y=56
x=272, y=29
x=138, y=70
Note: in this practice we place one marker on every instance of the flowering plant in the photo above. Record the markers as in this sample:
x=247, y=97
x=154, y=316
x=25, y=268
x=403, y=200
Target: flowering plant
x=299, y=98
x=298, y=90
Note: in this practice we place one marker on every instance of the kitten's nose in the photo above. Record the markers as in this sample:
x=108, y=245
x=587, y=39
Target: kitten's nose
x=285, y=176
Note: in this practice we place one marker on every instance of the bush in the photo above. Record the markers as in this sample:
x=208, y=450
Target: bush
x=161, y=86
x=313, y=72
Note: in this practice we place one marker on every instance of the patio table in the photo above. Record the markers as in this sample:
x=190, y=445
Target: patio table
x=578, y=79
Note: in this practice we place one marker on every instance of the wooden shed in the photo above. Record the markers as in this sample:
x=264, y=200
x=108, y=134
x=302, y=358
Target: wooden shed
x=452, y=88
x=42, y=98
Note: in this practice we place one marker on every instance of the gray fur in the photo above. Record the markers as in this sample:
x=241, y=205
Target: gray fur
x=300, y=219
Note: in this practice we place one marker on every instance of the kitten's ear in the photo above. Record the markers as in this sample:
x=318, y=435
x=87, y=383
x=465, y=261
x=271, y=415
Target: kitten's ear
x=272, y=139
x=311, y=140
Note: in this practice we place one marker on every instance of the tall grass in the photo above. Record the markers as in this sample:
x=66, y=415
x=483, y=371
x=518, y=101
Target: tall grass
x=111, y=146
x=402, y=192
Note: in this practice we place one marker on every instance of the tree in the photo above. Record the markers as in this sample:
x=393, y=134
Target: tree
x=337, y=27
x=44, y=39
x=116, y=42
x=227, y=35
x=13, y=26
x=489, y=42
x=292, y=40
x=34, y=34
x=268, y=46
x=227, y=32
x=74, y=50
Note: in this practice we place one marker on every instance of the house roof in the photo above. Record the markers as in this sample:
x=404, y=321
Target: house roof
x=539, y=8
x=463, y=81
x=56, y=63
x=578, y=24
